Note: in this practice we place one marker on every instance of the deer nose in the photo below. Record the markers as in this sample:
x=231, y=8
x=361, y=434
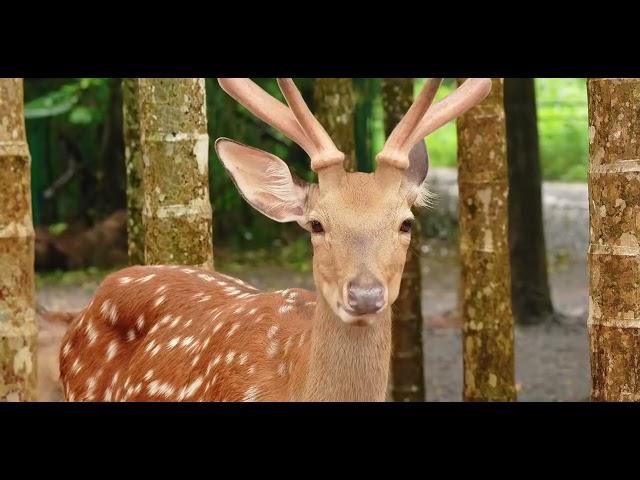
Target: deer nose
x=365, y=296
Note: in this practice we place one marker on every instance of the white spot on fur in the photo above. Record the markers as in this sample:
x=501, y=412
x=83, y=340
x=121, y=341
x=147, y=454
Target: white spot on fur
x=287, y=344
x=252, y=394
x=148, y=375
x=272, y=331
x=190, y=389
x=285, y=309
x=125, y=280
x=108, y=310
x=92, y=333
x=112, y=350
x=272, y=348
x=67, y=349
x=76, y=367
x=146, y=278
x=230, y=357
x=233, y=329
x=218, y=327
x=158, y=301
x=173, y=342
x=150, y=345
x=159, y=388
x=131, y=335
x=243, y=358
x=161, y=289
x=140, y=322
x=252, y=369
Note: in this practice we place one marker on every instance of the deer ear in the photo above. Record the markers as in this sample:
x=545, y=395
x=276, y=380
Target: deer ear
x=264, y=181
x=416, y=174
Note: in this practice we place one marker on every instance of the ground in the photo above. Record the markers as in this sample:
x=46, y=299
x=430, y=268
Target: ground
x=552, y=361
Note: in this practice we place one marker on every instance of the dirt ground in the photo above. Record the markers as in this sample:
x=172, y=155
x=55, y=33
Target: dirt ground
x=552, y=361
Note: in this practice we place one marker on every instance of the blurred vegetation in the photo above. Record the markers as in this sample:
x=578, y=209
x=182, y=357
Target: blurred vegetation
x=74, y=128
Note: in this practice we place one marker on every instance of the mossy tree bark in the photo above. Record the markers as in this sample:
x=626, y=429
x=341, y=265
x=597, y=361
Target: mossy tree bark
x=175, y=150
x=134, y=167
x=614, y=249
x=488, y=352
x=531, y=295
x=335, y=104
x=407, y=360
x=18, y=331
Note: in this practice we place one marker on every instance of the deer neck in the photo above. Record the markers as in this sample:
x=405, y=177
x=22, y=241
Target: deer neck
x=347, y=363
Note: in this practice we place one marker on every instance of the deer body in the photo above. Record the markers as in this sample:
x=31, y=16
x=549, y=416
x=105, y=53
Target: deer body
x=195, y=335
x=182, y=334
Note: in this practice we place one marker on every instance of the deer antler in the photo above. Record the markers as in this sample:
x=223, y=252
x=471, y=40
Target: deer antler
x=296, y=122
x=420, y=120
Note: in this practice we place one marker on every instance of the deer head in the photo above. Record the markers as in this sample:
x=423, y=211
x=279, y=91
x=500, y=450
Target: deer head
x=360, y=224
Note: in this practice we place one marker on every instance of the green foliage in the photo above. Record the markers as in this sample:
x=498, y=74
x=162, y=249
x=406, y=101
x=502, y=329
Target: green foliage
x=84, y=100
x=58, y=228
x=563, y=128
x=87, y=279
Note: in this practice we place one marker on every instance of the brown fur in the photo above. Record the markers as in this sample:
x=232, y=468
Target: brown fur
x=186, y=296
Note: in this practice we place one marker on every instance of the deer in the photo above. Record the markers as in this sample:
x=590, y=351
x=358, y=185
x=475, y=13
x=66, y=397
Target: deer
x=182, y=334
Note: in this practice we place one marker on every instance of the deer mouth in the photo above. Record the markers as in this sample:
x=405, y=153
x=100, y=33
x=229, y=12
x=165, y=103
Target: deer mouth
x=350, y=317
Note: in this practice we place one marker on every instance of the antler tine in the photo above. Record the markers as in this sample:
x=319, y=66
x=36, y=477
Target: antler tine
x=267, y=109
x=472, y=92
x=396, y=149
x=424, y=118
x=326, y=152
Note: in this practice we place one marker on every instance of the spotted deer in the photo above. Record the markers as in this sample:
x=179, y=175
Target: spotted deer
x=178, y=333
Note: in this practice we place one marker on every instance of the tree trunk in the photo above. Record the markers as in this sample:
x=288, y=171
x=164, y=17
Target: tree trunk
x=133, y=162
x=177, y=212
x=335, y=103
x=531, y=296
x=18, y=331
x=614, y=249
x=407, y=360
x=488, y=352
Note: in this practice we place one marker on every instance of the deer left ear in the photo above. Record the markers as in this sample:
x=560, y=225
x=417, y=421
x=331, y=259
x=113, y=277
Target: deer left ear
x=264, y=181
x=416, y=174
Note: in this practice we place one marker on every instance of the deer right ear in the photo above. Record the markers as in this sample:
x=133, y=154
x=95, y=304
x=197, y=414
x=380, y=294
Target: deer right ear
x=264, y=181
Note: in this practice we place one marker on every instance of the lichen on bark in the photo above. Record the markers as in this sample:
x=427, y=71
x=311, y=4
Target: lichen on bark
x=407, y=359
x=335, y=103
x=134, y=167
x=18, y=332
x=177, y=211
x=614, y=248
x=488, y=351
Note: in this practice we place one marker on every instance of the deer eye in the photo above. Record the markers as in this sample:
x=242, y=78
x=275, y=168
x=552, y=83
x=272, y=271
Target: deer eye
x=316, y=226
x=406, y=225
